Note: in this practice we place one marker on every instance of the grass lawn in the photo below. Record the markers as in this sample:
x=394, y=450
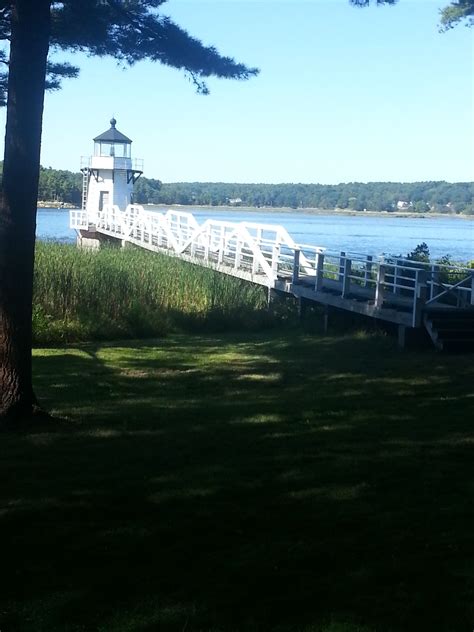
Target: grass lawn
x=247, y=482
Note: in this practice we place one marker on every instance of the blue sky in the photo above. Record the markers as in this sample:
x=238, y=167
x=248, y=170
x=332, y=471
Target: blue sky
x=344, y=94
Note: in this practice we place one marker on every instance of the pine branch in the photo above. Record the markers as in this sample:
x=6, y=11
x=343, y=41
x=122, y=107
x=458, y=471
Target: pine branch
x=134, y=31
x=456, y=12
x=56, y=72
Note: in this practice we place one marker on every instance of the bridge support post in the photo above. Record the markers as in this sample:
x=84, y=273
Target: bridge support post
x=435, y=278
x=220, y=256
x=397, y=272
x=296, y=267
x=395, y=277
x=319, y=271
x=368, y=269
x=255, y=264
x=379, y=286
x=275, y=258
x=346, y=280
x=472, y=288
x=419, y=299
x=341, y=266
x=238, y=254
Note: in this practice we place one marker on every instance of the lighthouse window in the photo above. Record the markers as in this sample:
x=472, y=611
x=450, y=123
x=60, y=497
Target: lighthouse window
x=122, y=150
x=106, y=149
x=119, y=150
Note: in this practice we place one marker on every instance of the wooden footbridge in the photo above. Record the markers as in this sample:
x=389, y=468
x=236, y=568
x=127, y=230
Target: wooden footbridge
x=410, y=294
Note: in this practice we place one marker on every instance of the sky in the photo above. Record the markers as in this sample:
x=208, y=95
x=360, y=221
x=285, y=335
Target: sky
x=343, y=95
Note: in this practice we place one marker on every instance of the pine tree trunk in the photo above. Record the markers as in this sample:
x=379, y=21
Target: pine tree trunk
x=18, y=202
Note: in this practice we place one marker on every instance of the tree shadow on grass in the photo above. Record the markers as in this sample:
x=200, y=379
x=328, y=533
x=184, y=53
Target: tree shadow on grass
x=243, y=483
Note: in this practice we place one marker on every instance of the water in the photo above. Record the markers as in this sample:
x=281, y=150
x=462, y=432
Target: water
x=361, y=233
x=53, y=223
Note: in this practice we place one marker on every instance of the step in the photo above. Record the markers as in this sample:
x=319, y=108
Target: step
x=452, y=312
x=457, y=315
x=455, y=334
x=458, y=346
x=451, y=324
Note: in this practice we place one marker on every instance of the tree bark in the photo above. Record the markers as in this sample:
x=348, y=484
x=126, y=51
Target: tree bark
x=30, y=28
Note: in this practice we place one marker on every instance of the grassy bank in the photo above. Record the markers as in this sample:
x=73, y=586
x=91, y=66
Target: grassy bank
x=115, y=293
x=259, y=482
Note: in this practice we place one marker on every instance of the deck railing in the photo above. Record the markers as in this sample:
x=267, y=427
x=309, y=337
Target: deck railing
x=267, y=254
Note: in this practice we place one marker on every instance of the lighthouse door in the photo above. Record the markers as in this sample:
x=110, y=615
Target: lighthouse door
x=103, y=199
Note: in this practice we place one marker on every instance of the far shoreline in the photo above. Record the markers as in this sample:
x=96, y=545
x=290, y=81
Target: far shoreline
x=44, y=205
x=307, y=211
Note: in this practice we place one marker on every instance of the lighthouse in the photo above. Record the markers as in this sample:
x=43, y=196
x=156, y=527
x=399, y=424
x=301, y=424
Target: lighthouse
x=109, y=175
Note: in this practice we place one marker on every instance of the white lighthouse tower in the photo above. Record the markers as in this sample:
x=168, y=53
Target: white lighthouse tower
x=109, y=175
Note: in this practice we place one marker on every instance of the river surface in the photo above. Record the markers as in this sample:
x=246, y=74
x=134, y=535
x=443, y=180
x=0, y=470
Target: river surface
x=367, y=234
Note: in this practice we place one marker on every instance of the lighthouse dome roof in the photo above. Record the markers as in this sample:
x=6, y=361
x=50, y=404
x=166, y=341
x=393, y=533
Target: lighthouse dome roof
x=112, y=135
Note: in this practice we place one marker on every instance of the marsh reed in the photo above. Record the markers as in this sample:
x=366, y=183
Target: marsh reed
x=113, y=293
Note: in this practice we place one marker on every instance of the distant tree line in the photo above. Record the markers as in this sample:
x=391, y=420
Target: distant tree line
x=423, y=197
x=373, y=196
x=60, y=186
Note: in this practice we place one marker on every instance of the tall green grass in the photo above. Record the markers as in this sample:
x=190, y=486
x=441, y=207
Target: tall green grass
x=112, y=293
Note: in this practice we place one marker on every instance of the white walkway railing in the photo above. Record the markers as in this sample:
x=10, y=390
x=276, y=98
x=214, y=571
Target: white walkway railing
x=267, y=254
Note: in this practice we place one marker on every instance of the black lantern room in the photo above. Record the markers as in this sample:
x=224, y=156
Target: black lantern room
x=112, y=143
